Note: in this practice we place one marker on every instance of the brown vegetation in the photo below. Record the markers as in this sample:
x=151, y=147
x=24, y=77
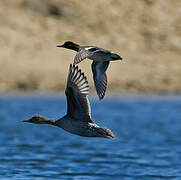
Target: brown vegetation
x=146, y=33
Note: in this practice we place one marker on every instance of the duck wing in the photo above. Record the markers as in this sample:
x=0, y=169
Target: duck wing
x=89, y=51
x=100, y=78
x=77, y=90
x=81, y=55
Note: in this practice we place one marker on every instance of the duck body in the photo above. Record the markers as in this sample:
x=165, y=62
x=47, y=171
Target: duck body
x=78, y=119
x=76, y=126
x=101, y=59
x=85, y=129
x=100, y=54
x=91, y=52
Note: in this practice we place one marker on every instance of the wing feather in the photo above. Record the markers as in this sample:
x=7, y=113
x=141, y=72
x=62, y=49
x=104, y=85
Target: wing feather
x=81, y=55
x=100, y=78
x=77, y=91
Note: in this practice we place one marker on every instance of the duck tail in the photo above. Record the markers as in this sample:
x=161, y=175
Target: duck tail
x=115, y=56
x=107, y=133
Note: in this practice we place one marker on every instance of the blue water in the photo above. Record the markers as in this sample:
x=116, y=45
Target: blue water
x=148, y=144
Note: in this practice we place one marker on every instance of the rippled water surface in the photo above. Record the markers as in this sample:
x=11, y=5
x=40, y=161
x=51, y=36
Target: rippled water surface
x=148, y=144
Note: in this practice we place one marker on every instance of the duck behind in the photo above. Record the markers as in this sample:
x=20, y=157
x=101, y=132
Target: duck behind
x=101, y=59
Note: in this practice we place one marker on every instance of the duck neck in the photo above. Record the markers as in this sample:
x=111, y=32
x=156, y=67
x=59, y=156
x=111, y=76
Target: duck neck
x=60, y=122
x=49, y=121
x=74, y=47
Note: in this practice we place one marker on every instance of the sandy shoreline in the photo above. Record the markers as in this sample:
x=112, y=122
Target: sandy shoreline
x=92, y=96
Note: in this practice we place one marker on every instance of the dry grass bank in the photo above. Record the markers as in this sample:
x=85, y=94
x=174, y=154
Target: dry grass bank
x=146, y=33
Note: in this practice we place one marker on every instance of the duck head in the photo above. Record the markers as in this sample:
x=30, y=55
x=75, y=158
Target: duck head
x=38, y=120
x=69, y=45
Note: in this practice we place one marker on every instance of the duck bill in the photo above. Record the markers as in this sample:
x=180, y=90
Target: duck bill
x=59, y=45
x=26, y=120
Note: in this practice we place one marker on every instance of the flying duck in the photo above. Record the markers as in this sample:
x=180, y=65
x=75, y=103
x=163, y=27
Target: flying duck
x=101, y=58
x=78, y=118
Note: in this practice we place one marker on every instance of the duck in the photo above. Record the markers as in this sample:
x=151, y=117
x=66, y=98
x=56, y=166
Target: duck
x=101, y=59
x=78, y=118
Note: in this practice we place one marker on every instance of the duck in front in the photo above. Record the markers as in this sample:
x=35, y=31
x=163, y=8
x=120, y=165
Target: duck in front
x=78, y=118
x=101, y=58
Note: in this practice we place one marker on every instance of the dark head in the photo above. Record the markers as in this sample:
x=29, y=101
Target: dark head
x=69, y=45
x=38, y=120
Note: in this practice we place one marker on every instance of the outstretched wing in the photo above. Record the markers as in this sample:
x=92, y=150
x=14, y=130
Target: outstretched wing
x=99, y=75
x=81, y=55
x=77, y=91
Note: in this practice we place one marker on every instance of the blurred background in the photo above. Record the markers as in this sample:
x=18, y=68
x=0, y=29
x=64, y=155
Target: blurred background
x=146, y=33
x=146, y=123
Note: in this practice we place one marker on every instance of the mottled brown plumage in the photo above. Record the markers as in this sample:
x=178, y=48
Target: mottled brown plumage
x=78, y=118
